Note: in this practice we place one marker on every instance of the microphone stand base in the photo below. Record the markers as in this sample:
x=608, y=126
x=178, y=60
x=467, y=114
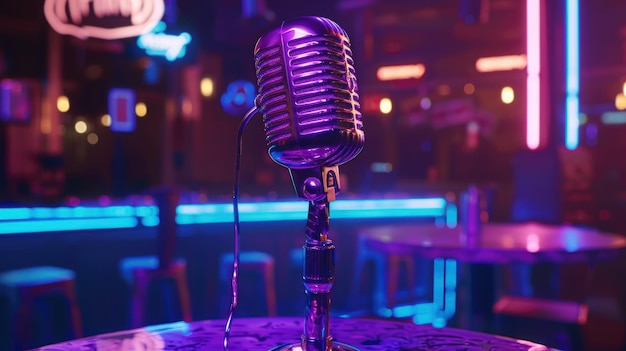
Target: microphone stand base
x=337, y=346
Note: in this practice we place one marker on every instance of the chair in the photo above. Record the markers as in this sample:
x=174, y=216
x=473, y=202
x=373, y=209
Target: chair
x=532, y=289
x=387, y=266
x=256, y=262
x=544, y=314
x=535, y=305
x=23, y=286
x=537, y=195
x=387, y=276
x=569, y=312
x=142, y=271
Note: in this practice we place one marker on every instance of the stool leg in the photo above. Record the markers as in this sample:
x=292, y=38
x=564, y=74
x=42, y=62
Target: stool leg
x=392, y=280
x=140, y=287
x=270, y=290
x=183, y=293
x=22, y=324
x=356, y=279
x=70, y=292
x=410, y=271
x=380, y=283
x=168, y=298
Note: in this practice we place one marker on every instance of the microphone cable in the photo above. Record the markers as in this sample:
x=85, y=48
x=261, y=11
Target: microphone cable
x=231, y=311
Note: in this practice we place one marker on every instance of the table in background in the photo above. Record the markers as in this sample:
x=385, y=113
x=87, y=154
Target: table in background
x=502, y=244
x=266, y=333
x=497, y=242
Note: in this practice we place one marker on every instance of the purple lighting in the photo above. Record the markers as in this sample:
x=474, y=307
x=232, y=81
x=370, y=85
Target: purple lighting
x=122, y=109
x=14, y=101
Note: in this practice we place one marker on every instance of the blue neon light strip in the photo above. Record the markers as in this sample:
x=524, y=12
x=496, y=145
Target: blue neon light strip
x=572, y=78
x=49, y=219
x=297, y=210
x=15, y=213
x=451, y=215
x=443, y=306
x=57, y=225
x=8, y=214
x=438, y=283
x=450, y=288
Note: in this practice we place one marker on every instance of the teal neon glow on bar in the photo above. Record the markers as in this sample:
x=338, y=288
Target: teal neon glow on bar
x=62, y=224
x=150, y=221
x=50, y=219
x=16, y=213
x=572, y=78
x=20, y=213
x=297, y=210
x=451, y=216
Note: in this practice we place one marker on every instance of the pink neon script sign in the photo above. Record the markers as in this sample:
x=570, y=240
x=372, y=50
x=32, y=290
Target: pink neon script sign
x=104, y=19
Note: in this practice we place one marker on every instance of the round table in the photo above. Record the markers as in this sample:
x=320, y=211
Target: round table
x=496, y=242
x=515, y=246
x=265, y=333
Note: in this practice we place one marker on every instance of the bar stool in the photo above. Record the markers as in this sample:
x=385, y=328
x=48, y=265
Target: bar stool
x=387, y=267
x=257, y=262
x=22, y=286
x=142, y=271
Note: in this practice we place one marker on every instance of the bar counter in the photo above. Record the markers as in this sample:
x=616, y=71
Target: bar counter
x=92, y=239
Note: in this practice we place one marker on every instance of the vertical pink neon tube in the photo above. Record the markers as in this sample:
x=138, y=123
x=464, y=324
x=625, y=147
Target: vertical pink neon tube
x=533, y=70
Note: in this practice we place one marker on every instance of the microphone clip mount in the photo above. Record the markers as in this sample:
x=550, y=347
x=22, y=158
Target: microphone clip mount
x=317, y=184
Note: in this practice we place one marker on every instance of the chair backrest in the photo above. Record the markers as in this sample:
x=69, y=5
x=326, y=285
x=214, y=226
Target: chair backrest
x=537, y=186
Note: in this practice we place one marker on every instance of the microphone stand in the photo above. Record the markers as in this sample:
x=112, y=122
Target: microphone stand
x=319, y=259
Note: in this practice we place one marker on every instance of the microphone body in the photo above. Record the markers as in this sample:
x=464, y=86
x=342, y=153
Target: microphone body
x=308, y=94
x=310, y=105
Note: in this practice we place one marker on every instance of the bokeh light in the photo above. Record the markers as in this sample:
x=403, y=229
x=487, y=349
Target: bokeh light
x=80, y=127
x=106, y=120
x=141, y=110
x=92, y=138
x=620, y=101
x=507, y=95
x=385, y=106
x=206, y=87
x=63, y=103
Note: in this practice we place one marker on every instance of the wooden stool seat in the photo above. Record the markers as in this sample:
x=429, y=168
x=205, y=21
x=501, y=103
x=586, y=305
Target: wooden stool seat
x=570, y=316
x=140, y=271
x=569, y=312
x=22, y=286
x=250, y=261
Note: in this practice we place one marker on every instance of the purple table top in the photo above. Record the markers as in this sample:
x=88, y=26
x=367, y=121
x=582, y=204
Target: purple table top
x=265, y=333
x=496, y=243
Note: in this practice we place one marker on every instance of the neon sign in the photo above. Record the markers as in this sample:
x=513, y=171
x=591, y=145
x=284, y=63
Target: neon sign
x=104, y=19
x=14, y=101
x=501, y=63
x=169, y=46
x=572, y=71
x=238, y=97
x=121, y=106
x=533, y=73
x=415, y=71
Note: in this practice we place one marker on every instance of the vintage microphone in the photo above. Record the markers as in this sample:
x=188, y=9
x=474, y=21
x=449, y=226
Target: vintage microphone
x=310, y=105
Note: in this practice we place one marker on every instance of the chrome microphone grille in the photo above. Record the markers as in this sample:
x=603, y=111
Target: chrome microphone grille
x=308, y=94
